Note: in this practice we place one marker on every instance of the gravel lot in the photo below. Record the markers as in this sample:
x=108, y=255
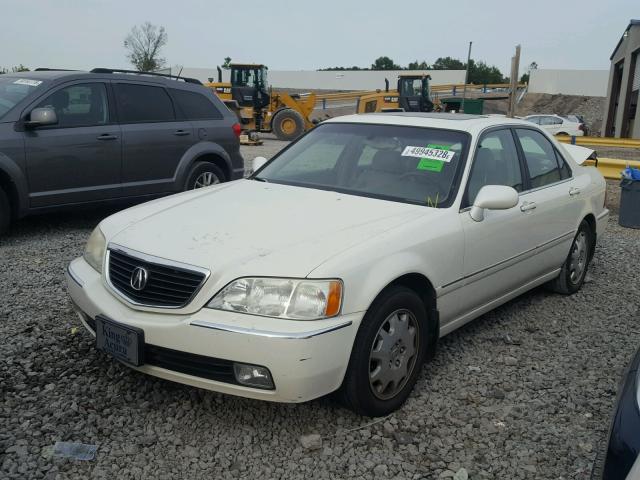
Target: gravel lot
x=523, y=392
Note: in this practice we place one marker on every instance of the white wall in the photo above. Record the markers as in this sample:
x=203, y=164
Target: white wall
x=592, y=83
x=329, y=80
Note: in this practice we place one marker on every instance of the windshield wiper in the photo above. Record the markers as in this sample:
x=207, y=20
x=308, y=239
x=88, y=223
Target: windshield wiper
x=260, y=179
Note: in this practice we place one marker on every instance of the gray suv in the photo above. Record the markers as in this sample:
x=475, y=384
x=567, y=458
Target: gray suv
x=72, y=138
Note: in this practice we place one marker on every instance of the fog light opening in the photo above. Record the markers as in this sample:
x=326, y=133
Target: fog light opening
x=253, y=376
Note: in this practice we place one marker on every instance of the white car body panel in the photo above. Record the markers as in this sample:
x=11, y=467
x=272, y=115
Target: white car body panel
x=250, y=228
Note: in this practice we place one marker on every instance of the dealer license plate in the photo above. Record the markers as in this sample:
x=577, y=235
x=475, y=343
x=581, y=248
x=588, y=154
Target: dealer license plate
x=122, y=341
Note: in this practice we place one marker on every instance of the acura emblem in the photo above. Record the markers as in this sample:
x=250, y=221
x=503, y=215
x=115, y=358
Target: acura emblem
x=139, y=278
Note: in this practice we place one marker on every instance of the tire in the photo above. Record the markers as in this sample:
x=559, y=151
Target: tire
x=204, y=174
x=363, y=389
x=5, y=212
x=576, y=265
x=287, y=124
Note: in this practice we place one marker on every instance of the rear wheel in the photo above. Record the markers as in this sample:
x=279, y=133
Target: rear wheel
x=204, y=174
x=388, y=352
x=576, y=265
x=5, y=212
x=287, y=124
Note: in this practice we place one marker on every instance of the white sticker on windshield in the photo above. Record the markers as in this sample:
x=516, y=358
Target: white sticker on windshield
x=431, y=152
x=26, y=81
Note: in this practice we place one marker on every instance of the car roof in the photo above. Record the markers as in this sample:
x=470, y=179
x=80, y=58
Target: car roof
x=452, y=121
x=60, y=74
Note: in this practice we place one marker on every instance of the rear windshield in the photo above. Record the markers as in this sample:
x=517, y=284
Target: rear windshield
x=406, y=164
x=13, y=90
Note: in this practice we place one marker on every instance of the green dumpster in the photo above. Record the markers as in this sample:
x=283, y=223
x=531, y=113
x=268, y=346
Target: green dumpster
x=471, y=105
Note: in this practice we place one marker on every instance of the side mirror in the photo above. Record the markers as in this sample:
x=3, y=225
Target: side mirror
x=257, y=163
x=40, y=117
x=493, y=197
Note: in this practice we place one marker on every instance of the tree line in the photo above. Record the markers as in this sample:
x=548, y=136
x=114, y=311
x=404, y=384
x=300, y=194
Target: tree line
x=479, y=72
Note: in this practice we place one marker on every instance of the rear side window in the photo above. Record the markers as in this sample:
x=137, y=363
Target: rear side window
x=143, y=103
x=195, y=106
x=540, y=157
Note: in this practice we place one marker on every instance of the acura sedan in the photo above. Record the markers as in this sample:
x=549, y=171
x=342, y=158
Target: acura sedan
x=339, y=263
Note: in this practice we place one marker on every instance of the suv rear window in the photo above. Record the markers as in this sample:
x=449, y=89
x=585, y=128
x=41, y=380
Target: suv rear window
x=143, y=103
x=195, y=106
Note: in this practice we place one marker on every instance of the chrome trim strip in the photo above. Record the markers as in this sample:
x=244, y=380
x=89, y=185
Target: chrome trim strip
x=268, y=334
x=538, y=247
x=160, y=261
x=74, y=277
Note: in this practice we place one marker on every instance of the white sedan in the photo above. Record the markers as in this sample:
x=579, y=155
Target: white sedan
x=340, y=263
x=558, y=125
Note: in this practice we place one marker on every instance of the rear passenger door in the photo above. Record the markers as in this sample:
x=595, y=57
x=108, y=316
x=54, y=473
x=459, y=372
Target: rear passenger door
x=552, y=199
x=154, y=139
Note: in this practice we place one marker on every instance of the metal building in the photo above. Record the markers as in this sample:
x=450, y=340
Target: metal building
x=624, y=84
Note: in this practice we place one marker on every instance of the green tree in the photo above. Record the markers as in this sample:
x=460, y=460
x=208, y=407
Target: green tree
x=227, y=63
x=19, y=68
x=525, y=77
x=418, y=65
x=448, y=63
x=480, y=73
x=384, y=63
x=144, y=43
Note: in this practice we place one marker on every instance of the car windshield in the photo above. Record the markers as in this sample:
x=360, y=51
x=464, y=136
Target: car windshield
x=13, y=90
x=399, y=163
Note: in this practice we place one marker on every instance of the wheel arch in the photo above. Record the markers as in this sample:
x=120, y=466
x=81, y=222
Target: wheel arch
x=14, y=185
x=591, y=221
x=424, y=288
x=203, y=152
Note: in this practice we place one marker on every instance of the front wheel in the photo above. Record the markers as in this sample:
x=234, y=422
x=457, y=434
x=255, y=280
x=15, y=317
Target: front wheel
x=5, y=212
x=575, y=267
x=388, y=353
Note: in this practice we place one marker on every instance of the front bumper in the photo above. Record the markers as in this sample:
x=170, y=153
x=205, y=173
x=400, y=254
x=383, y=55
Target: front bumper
x=306, y=359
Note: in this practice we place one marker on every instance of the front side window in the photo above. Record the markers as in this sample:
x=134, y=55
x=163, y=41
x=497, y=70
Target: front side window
x=143, y=103
x=540, y=157
x=406, y=164
x=14, y=90
x=495, y=163
x=79, y=105
x=195, y=106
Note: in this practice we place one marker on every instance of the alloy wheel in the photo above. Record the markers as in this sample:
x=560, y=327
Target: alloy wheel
x=578, y=259
x=206, y=179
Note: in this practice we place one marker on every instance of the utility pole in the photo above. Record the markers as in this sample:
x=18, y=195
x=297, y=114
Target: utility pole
x=466, y=79
x=515, y=66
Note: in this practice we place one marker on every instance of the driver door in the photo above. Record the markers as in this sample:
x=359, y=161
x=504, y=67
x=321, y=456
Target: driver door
x=498, y=249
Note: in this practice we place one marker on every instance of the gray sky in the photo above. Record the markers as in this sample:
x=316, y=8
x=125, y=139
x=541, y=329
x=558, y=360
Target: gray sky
x=304, y=35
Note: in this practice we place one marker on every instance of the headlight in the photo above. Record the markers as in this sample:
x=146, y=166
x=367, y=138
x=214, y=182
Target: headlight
x=94, y=251
x=281, y=297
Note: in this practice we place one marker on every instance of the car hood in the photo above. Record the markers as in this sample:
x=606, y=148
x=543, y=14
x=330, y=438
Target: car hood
x=254, y=228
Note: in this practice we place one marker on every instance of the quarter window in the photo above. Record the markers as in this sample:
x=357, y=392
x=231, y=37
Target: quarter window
x=79, y=105
x=495, y=163
x=540, y=157
x=143, y=103
x=195, y=106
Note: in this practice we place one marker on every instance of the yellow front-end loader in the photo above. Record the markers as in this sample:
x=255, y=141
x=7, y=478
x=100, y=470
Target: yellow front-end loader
x=259, y=107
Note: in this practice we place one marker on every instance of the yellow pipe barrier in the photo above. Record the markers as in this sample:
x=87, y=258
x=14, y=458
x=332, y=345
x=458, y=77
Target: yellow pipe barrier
x=611, y=168
x=602, y=141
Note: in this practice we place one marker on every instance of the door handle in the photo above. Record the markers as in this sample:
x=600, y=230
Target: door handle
x=107, y=136
x=527, y=206
x=574, y=191
x=181, y=133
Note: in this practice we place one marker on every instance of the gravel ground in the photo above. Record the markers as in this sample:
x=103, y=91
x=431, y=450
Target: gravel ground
x=523, y=392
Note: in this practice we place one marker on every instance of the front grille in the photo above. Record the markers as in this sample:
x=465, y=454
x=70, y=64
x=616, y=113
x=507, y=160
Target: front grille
x=183, y=362
x=190, y=363
x=167, y=286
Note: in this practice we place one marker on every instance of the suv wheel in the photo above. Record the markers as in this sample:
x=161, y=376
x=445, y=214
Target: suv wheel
x=287, y=124
x=388, y=353
x=5, y=212
x=204, y=174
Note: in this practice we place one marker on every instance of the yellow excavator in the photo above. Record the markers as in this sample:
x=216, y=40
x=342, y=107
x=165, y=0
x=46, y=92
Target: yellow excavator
x=259, y=107
x=413, y=94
